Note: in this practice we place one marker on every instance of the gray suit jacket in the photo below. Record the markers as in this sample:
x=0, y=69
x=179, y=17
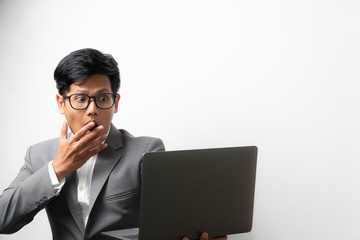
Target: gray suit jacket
x=115, y=190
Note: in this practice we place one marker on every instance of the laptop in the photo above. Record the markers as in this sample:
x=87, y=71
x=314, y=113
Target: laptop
x=185, y=193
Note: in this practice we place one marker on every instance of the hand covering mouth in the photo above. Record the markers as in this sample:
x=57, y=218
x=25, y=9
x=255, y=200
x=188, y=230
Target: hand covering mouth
x=96, y=124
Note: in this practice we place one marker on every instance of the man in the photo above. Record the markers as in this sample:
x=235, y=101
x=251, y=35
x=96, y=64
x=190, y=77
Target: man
x=88, y=180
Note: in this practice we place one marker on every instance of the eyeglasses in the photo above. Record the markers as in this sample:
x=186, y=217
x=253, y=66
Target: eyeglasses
x=82, y=101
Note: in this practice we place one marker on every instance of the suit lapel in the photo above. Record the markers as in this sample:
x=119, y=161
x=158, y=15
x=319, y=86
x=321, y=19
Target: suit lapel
x=70, y=193
x=105, y=162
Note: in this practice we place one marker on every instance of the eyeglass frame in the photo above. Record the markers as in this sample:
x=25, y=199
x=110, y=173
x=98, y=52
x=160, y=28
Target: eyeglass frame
x=90, y=97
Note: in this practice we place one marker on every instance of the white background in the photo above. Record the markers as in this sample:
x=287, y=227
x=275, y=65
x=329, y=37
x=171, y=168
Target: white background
x=282, y=75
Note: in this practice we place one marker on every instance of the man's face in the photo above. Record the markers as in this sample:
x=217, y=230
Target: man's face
x=98, y=83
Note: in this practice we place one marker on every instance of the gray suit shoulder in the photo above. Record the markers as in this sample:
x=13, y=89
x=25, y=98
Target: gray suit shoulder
x=43, y=152
x=150, y=144
x=49, y=144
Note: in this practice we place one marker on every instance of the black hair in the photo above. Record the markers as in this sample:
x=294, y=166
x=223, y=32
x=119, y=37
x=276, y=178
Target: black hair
x=80, y=65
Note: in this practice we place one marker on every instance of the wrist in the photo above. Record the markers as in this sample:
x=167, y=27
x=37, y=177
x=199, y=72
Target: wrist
x=59, y=170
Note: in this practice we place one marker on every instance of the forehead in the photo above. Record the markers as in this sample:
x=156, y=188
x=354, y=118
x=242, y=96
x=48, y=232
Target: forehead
x=96, y=83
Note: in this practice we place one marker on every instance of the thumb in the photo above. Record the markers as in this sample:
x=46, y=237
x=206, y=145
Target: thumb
x=64, y=128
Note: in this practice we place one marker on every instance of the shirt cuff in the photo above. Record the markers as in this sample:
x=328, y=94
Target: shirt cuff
x=54, y=180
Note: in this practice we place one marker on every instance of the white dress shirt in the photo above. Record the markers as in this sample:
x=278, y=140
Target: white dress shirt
x=84, y=176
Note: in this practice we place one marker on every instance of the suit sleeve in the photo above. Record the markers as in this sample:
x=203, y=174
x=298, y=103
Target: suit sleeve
x=25, y=197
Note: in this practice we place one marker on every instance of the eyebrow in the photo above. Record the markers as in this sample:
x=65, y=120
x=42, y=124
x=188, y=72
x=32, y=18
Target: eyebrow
x=85, y=91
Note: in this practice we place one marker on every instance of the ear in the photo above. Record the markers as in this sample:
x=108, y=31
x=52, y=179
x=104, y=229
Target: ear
x=117, y=98
x=61, y=103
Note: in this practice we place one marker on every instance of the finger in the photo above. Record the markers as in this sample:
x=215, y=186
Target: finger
x=185, y=238
x=204, y=236
x=77, y=136
x=64, y=128
x=85, y=154
x=87, y=146
x=91, y=135
x=97, y=149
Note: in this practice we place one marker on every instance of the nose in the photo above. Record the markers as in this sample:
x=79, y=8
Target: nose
x=92, y=109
